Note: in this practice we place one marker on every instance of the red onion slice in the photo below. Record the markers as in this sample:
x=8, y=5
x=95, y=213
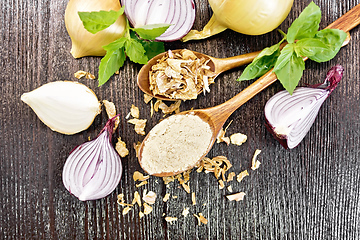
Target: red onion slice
x=93, y=169
x=290, y=117
x=179, y=13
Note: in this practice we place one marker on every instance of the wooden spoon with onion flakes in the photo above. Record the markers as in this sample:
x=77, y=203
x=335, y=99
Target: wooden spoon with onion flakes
x=217, y=66
x=217, y=116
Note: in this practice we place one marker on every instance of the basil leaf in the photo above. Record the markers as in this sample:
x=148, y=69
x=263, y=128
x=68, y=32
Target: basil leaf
x=118, y=43
x=111, y=63
x=262, y=63
x=333, y=39
x=306, y=25
x=309, y=47
x=153, y=48
x=97, y=21
x=290, y=73
x=135, y=51
x=285, y=55
x=151, y=31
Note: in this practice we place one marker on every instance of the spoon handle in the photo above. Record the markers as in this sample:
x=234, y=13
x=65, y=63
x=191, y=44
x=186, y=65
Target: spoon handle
x=347, y=21
x=224, y=64
x=222, y=112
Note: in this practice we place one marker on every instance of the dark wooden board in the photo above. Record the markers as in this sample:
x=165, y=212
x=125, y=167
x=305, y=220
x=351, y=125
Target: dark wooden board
x=310, y=192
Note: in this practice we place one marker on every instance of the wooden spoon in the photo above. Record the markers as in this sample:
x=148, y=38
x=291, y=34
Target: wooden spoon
x=217, y=65
x=216, y=116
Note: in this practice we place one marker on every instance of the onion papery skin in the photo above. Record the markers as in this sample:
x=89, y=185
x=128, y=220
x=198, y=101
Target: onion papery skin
x=290, y=117
x=179, y=13
x=93, y=169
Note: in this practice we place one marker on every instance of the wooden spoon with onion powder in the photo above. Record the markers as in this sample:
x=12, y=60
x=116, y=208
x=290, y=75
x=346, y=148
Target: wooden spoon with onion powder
x=179, y=142
x=167, y=151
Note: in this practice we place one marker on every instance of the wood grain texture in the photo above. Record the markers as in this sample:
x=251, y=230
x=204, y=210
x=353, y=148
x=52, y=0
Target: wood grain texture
x=310, y=192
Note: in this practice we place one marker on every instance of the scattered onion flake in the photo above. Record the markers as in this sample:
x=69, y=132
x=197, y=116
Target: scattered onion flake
x=201, y=219
x=221, y=184
x=93, y=169
x=141, y=184
x=255, y=164
x=179, y=13
x=290, y=117
x=121, y=201
x=166, y=197
x=137, y=148
x=138, y=176
x=221, y=137
x=147, y=98
x=186, y=187
x=241, y=175
x=137, y=198
x=185, y=212
x=238, y=138
x=237, y=196
x=126, y=210
x=140, y=125
x=174, y=107
x=147, y=209
x=149, y=197
x=168, y=180
x=193, y=198
x=170, y=220
x=230, y=176
x=80, y=74
x=111, y=112
x=134, y=111
x=120, y=147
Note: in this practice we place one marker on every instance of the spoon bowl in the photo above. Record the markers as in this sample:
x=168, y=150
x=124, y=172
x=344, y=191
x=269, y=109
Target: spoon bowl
x=217, y=65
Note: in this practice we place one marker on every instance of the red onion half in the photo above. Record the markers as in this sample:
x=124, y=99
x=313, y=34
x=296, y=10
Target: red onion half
x=93, y=169
x=290, y=117
x=179, y=13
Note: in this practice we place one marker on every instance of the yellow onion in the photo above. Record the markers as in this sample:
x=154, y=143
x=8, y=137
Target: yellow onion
x=85, y=43
x=254, y=17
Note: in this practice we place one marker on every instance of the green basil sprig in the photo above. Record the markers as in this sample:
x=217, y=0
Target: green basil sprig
x=138, y=49
x=288, y=63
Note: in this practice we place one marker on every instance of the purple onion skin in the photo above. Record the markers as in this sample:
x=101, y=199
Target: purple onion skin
x=333, y=77
x=282, y=139
x=80, y=168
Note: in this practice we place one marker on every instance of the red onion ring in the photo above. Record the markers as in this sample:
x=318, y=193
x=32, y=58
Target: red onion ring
x=179, y=13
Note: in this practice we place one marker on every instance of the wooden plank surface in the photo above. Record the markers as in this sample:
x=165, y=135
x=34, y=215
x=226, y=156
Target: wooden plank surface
x=310, y=192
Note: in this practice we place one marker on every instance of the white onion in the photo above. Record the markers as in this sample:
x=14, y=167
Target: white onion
x=179, y=13
x=290, y=117
x=64, y=106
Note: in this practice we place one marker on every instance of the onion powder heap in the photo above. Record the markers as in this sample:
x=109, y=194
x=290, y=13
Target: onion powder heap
x=175, y=144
